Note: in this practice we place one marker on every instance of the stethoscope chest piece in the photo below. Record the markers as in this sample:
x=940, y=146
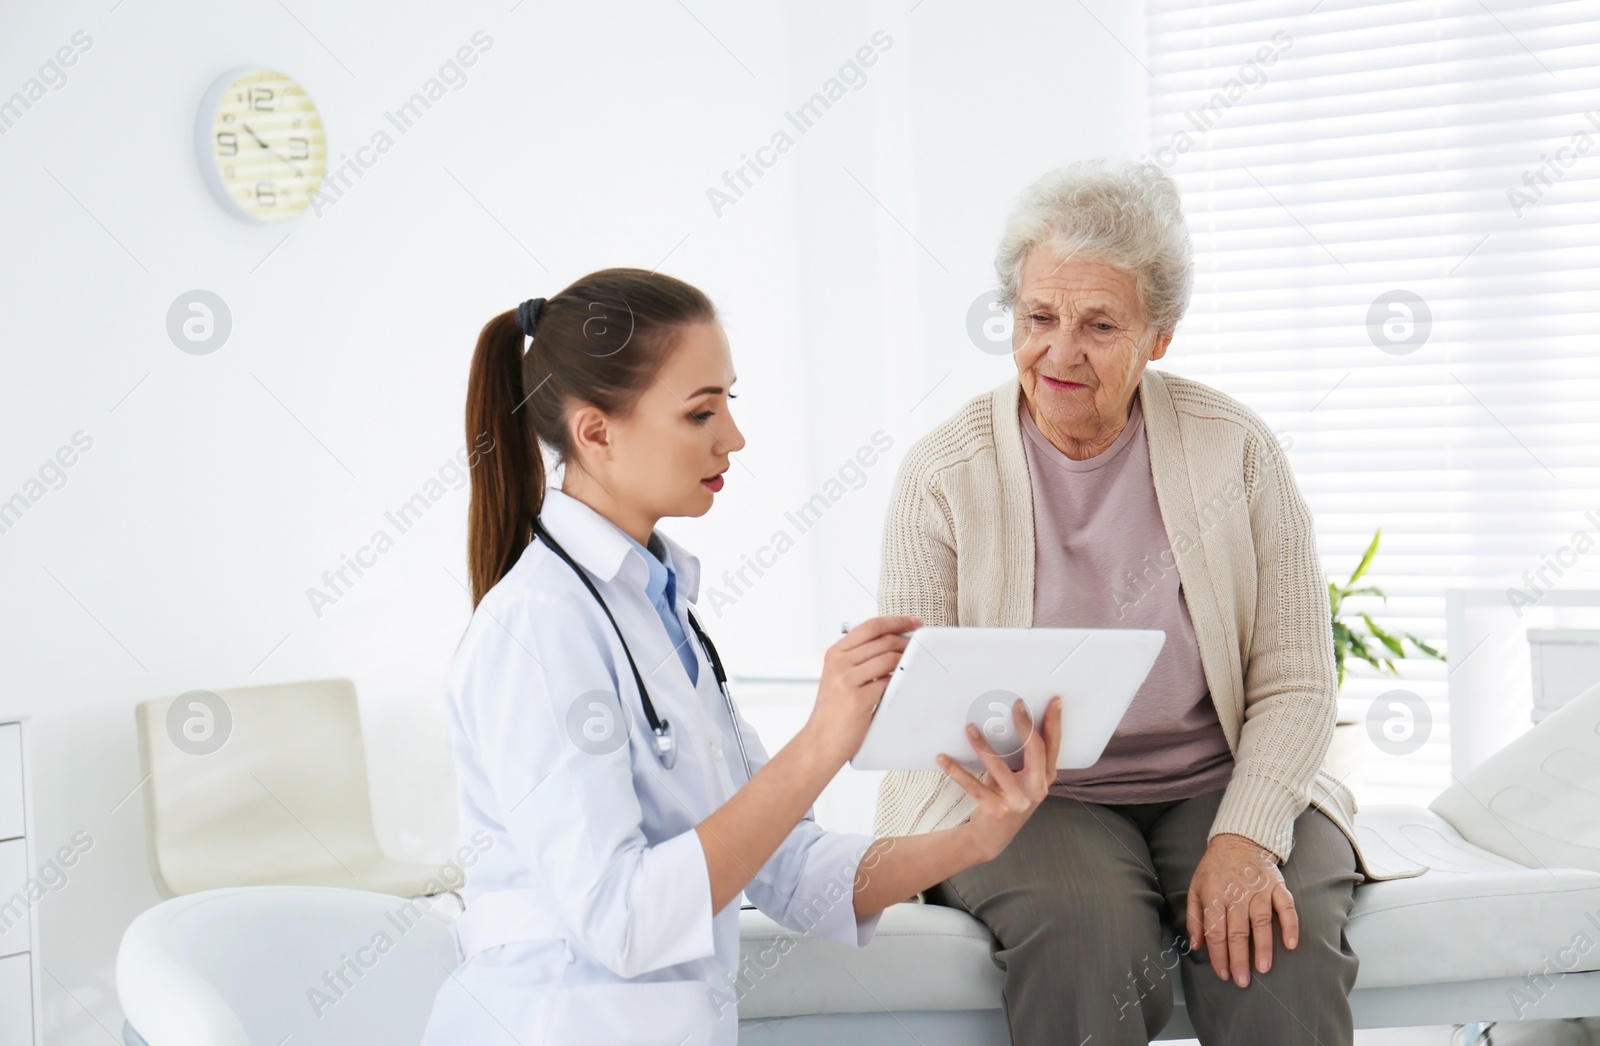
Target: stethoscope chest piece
x=666, y=745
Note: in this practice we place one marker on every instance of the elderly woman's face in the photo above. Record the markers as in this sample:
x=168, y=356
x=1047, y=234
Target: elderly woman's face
x=1081, y=345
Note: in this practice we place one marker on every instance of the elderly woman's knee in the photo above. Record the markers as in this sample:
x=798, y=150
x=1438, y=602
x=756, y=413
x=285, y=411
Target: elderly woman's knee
x=1108, y=939
x=1118, y=973
x=1321, y=875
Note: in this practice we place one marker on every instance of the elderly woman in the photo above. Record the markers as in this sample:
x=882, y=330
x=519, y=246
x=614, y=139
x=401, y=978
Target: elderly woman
x=1093, y=491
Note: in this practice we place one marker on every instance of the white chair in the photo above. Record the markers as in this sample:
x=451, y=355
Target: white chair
x=1487, y=934
x=282, y=800
x=256, y=966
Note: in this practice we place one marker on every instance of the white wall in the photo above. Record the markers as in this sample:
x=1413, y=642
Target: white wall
x=218, y=488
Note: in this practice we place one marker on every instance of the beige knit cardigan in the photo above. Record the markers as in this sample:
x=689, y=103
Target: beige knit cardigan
x=958, y=549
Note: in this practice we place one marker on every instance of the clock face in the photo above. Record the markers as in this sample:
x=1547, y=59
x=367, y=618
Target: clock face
x=261, y=145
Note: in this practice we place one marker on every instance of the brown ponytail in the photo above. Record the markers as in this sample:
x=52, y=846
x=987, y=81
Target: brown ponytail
x=598, y=342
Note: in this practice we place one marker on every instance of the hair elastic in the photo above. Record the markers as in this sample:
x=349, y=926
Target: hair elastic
x=528, y=315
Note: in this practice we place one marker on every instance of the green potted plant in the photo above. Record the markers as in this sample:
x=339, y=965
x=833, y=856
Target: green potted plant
x=1357, y=635
x=1348, y=637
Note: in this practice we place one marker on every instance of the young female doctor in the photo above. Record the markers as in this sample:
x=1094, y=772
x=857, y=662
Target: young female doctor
x=618, y=804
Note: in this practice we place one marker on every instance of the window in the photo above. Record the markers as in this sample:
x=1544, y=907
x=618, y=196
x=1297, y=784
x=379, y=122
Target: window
x=1396, y=218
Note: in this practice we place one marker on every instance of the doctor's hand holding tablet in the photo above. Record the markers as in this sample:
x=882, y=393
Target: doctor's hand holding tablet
x=856, y=670
x=619, y=801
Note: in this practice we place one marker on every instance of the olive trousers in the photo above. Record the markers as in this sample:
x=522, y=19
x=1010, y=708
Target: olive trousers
x=1077, y=902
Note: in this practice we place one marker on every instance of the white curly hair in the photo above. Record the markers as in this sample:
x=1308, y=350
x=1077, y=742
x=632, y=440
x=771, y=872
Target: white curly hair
x=1128, y=216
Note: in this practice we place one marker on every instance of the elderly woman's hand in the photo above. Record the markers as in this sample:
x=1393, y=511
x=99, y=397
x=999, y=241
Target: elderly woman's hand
x=1008, y=798
x=1232, y=896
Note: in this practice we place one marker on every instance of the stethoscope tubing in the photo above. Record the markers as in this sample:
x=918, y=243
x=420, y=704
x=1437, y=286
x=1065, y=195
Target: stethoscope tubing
x=664, y=742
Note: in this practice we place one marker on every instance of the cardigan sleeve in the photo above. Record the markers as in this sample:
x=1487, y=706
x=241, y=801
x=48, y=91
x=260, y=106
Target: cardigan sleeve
x=1290, y=686
x=919, y=554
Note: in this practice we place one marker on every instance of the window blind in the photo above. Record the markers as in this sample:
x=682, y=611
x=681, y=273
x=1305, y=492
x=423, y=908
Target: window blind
x=1395, y=209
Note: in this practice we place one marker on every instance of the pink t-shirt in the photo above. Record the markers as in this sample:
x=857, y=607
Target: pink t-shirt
x=1102, y=560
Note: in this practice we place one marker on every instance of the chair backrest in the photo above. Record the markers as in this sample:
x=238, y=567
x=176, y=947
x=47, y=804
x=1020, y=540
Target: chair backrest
x=1537, y=800
x=310, y=965
x=257, y=785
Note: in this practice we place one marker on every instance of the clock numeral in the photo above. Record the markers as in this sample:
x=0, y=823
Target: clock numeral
x=267, y=194
x=261, y=98
x=302, y=149
x=227, y=143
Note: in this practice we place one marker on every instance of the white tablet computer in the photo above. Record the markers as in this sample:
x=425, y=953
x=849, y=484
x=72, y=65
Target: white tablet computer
x=949, y=677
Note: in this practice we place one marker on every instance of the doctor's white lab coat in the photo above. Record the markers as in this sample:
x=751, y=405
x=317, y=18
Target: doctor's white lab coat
x=589, y=909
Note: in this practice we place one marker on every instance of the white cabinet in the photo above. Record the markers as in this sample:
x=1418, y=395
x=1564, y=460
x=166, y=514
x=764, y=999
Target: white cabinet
x=19, y=918
x=1566, y=662
x=11, y=819
x=16, y=1000
x=15, y=926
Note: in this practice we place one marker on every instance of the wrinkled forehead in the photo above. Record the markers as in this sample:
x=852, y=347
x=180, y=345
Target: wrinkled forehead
x=1076, y=285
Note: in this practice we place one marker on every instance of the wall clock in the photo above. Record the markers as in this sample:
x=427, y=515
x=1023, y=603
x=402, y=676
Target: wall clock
x=260, y=144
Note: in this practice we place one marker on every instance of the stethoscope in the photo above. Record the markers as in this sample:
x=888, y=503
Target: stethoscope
x=665, y=744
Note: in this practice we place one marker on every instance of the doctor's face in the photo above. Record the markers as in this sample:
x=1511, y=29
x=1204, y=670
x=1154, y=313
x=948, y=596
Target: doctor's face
x=671, y=451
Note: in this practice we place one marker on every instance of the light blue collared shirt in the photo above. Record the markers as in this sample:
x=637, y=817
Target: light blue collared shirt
x=662, y=590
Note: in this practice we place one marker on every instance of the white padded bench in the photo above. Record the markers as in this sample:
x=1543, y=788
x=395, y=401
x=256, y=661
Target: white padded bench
x=1491, y=932
x=1448, y=947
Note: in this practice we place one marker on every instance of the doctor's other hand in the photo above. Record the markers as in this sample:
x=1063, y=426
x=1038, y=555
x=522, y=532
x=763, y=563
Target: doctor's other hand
x=855, y=672
x=1007, y=798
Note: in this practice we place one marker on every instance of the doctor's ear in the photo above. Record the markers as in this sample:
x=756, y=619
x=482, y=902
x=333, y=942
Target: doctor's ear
x=589, y=432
